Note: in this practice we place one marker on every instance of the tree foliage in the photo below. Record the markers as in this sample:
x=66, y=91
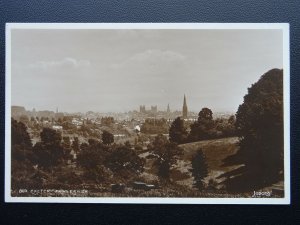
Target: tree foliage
x=21, y=155
x=166, y=154
x=204, y=127
x=66, y=144
x=107, y=137
x=50, y=137
x=49, y=152
x=107, y=121
x=199, y=168
x=92, y=158
x=92, y=154
x=75, y=145
x=123, y=159
x=259, y=123
x=19, y=134
x=178, y=132
x=205, y=115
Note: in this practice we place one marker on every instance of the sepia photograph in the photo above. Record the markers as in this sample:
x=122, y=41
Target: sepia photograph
x=147, y=113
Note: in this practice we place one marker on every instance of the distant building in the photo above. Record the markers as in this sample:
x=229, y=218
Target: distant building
x=17, y=111
x=154, y=109
x=46, y=114
x=137, y=128
x=33, y=112
x=77, y=122
x=57, y=127
x=168, y=109
x=59, y=115
x=184, y=109
x=142, y=109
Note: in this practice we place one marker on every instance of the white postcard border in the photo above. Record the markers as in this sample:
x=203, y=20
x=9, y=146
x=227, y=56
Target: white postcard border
x=133, y=200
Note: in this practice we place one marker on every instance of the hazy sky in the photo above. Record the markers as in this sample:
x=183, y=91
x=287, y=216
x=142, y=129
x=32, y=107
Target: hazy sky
x=118, y=70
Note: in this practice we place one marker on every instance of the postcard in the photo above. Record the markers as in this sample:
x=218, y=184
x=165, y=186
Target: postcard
x=162, y=113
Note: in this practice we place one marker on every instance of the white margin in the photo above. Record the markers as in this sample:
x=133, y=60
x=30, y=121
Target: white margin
x=224, y=26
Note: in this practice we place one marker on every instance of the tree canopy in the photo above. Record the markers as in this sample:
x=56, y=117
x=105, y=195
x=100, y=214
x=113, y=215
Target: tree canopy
x=203, y=128
x=259, y=123
x=107, y=137
x=178, y=132
x=166, y=154
x=199, y=168
x=49, y=152
x=19, y=134
x=124, y=160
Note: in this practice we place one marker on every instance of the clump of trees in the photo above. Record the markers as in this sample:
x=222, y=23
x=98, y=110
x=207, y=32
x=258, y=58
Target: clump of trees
x=225, y=127
x=206, y=127
x=48, y=161
x=33, y=166
x=259, y=124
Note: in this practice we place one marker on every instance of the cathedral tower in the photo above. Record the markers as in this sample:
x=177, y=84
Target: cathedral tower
x=184, y=109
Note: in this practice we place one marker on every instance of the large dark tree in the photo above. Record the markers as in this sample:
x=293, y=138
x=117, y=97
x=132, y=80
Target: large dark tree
x=259, y=123
x=178, y=132
x=199, y=168
x=205, y=115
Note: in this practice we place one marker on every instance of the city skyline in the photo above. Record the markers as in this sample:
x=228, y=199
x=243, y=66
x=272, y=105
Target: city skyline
x=138, y=109
x=118, y=70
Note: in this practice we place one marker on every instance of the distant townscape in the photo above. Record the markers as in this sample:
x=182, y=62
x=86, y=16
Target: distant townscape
x=123, y=126
x=153, y=152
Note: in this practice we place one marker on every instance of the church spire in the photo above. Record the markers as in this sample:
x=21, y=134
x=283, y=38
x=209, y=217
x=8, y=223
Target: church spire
x=184, y=108
x=168, y=109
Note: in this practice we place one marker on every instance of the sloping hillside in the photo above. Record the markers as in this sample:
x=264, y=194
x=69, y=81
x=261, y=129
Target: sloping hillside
x=214, y=150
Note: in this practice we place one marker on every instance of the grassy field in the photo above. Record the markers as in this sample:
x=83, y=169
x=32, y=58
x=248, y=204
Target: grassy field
x=214, y=150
